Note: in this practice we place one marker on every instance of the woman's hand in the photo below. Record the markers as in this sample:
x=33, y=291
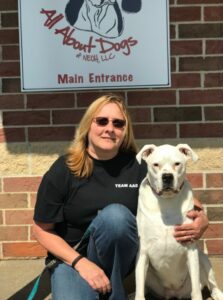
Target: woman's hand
x=94, y=275
x=193, y=231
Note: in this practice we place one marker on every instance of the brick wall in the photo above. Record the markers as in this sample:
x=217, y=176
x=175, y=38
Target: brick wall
x=35, y=128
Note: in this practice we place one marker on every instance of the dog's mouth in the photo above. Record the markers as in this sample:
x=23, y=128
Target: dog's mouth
x=169, y=190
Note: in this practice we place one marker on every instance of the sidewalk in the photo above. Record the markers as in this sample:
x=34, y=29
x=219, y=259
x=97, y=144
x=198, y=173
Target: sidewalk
x=17, y=278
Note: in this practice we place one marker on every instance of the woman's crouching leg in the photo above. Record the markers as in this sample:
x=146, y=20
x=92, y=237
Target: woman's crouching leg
x=113, y=245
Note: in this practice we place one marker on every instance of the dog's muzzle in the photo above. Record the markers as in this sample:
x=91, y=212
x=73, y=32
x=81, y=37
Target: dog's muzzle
x=167, y=180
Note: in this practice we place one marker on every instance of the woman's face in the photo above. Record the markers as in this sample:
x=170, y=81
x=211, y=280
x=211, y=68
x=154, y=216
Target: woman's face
x=104, y=140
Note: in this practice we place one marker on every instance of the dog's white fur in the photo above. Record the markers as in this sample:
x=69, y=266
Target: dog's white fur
x=164, y=266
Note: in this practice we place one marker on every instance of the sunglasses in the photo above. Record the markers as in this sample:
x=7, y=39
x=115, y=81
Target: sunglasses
x=103, y=121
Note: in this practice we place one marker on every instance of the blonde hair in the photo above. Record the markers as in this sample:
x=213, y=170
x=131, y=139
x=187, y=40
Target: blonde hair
x=78, y=160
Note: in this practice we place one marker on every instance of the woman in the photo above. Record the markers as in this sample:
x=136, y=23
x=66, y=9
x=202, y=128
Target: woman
x=86, y=206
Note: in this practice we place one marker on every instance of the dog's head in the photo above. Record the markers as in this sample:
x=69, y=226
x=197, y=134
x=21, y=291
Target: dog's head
x=99, y=3
x=166, y=167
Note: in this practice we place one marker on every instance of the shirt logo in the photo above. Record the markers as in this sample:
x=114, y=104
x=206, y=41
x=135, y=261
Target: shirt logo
x=126, y=185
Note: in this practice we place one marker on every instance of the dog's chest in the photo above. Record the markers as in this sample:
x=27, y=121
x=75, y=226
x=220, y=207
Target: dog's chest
x=156, y=223
x=158, y=242
x=157, y=228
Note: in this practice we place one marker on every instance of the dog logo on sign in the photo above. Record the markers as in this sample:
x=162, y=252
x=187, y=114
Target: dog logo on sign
x=103, y=17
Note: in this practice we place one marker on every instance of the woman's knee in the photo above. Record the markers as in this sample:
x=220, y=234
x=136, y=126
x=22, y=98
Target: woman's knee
x=118, y=220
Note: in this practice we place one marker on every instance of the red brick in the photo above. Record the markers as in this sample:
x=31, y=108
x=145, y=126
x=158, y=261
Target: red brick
x=8, y=5
x=214, y=231
x=9, y=36
x=65, y=100
x=18, y=217
x=186, y=80
x=140, y=114
x=9, y=69
x=186, y=47
x=215, y=214
x=188, y=2
x=154, y=131
x=13, y=233
x=28, y=249
x=67, y=116
x=213, y=13
x=49, y=134
x=172, y=31
x=11, y=102
x=213, y=113
x=147, y=98
x=10, y=19
x=11, y=85
x=214, y=180
x=214, y=80
x=177, y=114
x=209, y=196
x=173, y=64
x=10, y=52
x=201, y=96
x=200, y=63
x=26, y=118
x=21, y=184
x=201, y=130
x=184, y=14
x=207, y=30
x=12, y=135
x=33, y=199
x=84, y=99
x=1, y=217
x=195, y=179
x=214, y=47
x=8, y=200
x=214, y=247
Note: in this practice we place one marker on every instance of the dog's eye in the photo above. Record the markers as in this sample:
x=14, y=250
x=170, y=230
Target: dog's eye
x=177, y=164
x=156, y=165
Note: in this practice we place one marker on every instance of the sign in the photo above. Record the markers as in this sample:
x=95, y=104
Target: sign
x=94, y=44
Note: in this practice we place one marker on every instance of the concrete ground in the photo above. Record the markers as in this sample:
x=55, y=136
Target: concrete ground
x=18, y=276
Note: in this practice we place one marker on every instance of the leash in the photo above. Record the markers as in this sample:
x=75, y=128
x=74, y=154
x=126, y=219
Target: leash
x=52, y=264
x=55, y=262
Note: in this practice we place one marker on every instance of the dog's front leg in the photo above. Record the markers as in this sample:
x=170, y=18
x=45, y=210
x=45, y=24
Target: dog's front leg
x=142, y=265
x=194, y=270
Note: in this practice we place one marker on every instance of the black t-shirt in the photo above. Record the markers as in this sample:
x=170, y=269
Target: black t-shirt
x=71, y=203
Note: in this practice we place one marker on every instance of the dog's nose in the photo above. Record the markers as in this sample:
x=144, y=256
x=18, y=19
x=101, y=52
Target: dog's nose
x=167, y=178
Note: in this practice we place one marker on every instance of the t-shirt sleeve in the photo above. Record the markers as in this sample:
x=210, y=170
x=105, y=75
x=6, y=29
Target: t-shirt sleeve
x=52, y=193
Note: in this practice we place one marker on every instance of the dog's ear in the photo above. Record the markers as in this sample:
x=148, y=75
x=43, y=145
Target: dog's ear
x=187, y=151
x=131, y=6
x=145, y=152
x=72, y=10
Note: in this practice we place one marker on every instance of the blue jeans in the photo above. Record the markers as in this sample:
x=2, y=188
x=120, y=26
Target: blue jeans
x=113, y=246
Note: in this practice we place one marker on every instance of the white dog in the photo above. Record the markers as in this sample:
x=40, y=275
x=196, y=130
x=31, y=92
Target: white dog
x=164, y=266
x=103, y=17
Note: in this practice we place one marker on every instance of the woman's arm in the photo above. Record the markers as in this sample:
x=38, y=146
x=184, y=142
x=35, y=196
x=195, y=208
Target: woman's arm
x=48, y=238
x=193, y=231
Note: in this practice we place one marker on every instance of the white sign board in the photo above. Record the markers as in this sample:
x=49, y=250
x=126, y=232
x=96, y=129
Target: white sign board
x=94, y=44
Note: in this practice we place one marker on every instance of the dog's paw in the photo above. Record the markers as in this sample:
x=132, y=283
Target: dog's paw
x=216, y=294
